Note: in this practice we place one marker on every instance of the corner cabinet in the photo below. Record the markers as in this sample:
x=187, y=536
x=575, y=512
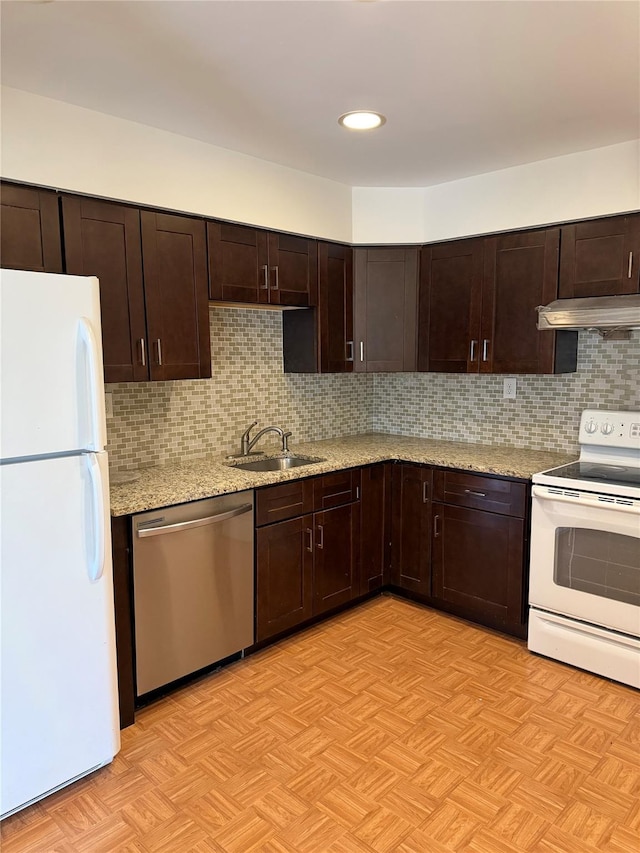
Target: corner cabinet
x=30, y=236
x=478, y=302
x=411, y=540
x=385, y=308
x=479, y=548
x=600, y=257
x=153, y=287
x=249, y=265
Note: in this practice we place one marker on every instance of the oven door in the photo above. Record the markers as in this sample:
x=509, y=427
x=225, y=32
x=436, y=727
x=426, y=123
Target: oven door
x=585, y=557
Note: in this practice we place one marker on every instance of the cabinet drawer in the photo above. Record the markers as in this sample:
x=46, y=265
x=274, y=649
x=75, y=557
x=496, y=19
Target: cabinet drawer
x=479, y=492
x=336, y=489
x=289, y=500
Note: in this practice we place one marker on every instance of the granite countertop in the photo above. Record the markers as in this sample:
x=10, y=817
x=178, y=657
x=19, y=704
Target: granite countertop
x=208, y=476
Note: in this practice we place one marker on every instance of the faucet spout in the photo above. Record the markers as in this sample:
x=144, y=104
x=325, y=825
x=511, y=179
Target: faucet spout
x=252, y=442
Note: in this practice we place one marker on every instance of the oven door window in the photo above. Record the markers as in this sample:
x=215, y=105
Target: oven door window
x=601, y=563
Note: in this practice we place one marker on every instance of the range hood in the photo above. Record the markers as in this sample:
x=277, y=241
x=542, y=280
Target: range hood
x=612, y=316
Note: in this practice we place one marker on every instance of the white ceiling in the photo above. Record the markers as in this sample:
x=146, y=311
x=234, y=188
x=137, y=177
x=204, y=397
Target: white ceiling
x=467, y=87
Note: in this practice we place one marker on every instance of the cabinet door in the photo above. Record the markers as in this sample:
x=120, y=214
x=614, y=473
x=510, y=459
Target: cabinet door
x=600, y=257
x=386, y=293
x=337, y=557
x=174, y=255
x=284, y=573
x=411, y=565
x=103, y=239
x=335, y=301
x=30, y=236
x=293, y=270
x=238, y=263
x=478, y=560
x=449, y=310
x=337, y=488
x=375, y=521
x=520, y=273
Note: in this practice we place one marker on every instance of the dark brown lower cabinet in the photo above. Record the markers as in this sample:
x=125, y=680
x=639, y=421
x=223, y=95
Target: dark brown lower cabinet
x=306, y=564
x=284, y=577
x=122, y=594
x=477, y=565
x=336, y=537
x=411, y=543
x=375, y=527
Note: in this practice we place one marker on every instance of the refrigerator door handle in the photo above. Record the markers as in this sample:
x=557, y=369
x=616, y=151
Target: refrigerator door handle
x=96, y=563
x=98, y=439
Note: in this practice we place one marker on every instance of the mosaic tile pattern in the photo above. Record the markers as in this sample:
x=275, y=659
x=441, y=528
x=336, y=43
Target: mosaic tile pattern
x=159, y=422
x=544, y=416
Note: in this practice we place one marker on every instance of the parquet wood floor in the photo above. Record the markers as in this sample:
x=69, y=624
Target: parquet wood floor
x=388, y=728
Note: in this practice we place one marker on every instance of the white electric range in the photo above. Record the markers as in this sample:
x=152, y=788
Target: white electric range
x=584, y=589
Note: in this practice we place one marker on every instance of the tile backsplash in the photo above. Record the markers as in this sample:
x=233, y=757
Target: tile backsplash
x=159, y=422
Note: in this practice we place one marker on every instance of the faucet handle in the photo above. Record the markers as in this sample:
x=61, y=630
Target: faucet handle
x=285, y=444
x=244, y=441
x=250, y=427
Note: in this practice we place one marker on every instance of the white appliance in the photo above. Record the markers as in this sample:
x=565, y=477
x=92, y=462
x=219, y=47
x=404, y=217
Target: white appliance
x=584, y=590
x=58, y=700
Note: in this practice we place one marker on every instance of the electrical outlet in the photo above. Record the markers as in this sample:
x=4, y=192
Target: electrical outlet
x=509, y=388
x=108, y=404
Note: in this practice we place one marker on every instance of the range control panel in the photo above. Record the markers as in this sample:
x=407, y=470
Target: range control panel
x=610, y=429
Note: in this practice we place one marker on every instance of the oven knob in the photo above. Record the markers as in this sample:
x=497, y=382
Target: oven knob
x=607, y=428
x=590, y=426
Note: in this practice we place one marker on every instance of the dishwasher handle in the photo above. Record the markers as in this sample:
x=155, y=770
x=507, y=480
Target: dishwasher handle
x=142, y=532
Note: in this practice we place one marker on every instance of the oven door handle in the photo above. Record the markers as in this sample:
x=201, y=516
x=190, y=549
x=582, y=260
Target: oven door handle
x=543, y=493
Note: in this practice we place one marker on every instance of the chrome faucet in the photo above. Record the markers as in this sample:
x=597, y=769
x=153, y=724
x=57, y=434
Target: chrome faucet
x=246, y=442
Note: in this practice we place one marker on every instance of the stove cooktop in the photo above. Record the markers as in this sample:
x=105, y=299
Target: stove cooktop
x=597, y=473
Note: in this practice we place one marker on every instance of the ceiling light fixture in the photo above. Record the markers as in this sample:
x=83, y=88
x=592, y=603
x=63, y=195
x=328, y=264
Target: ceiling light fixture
x=362, y=120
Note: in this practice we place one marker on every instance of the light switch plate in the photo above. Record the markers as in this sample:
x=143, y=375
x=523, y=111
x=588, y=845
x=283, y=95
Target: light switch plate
x=509, y=388
x=108, y=404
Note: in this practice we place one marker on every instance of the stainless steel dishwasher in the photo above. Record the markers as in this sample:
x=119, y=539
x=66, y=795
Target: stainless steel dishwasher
x=192, y=587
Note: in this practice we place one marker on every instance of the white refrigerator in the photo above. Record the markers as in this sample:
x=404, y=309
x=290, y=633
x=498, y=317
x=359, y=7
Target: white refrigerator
x=58, y=699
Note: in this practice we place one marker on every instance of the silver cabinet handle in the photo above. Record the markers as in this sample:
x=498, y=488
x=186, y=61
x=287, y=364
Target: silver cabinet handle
x=476, y=494
x=143, y=532
x=350, y=350
x=436, y=526
x=159, y=346
x=143, y=355
x=357, y=493
x=472, y=354
x=485, y=349
x=309, y=533
x=425, y=492
x=276, y=282
x=361, y=350
x=265, y=271
x=630, y=264
x=320, y=542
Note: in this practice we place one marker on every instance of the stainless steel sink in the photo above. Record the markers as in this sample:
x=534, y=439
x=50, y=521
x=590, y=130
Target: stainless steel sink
x=278, y=463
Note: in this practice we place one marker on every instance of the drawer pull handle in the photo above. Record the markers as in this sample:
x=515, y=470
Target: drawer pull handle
x=436, y=526
x=475, y=494
x=320, y=542
x=310, y=535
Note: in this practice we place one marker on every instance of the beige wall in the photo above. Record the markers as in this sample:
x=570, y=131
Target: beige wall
x=576, y=186
x=59, y=145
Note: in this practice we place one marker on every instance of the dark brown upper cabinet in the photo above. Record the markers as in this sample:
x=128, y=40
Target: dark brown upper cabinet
x=261, y=267
x=478, y=302
x=174, y=253
x=321, y=339
x=335, y=308
x=600, y=257
x=449, y=312
x=385, y=309
x=152, y=269
x=30, y=234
